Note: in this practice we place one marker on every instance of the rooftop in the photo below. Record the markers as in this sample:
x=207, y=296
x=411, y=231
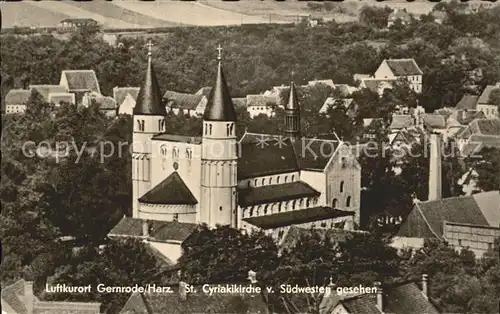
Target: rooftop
x=182, y=100
x=120, y=93
x=81, y=80
x=17, y=96
x=404, y=67
x=160, y=231
x=275, y=193
x=172, y=190
x=468, y=102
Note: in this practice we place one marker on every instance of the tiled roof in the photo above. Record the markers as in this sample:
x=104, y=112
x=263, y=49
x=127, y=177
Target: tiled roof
x=275, y=193
x=17, y=97
x=120, y=93
x=398, y=298
x=260, y=101
x=82, y=80
x=46, y=90
x=104, y=102
x=199, y=302
x=434, y=121
x=484, y=99
x=263, y=154
x=404, y=67
x=240, y=102
x=181, y=100
x=468, y=102
x=489, y=204
x=401, y=121
x=11, y=295
x=159, y=230
x=426, y=218
x=476, y=143
x=296, y=217
x=487, y=126
x=172, y=190
x=178, y=138
x=62, y=97
x=465, y=117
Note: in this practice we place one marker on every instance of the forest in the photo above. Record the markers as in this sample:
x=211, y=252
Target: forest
x=45, y=200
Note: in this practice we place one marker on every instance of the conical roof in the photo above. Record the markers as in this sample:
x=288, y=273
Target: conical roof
x=220, y=105
x=293, y=102
x=149, y=100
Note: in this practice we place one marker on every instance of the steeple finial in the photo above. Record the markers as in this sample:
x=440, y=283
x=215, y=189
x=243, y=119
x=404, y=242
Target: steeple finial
x=150, y=46
x=293, y=73
x=219, y=56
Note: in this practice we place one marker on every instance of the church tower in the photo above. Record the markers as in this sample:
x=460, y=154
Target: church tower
x=149, y=119
x=219, y=156
x=292, y=115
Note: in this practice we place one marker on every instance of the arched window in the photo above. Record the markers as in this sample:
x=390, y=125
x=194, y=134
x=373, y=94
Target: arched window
x=210, y=129
x=341, y=186
x=175, y=153
x=301, y=203
x=348, y=201
x=227, y=129
x=206, y=129
x=293, y=177
x=278, y=179
x=142, y=125
x=270, y=180
x=286, y=177
x=163, y=150
x=307, y=203
x=231, y=127
x=189, y=153
x=334, y=203
x=265, y=209
x=249, y=184
x=220, y=208
x=251, y=211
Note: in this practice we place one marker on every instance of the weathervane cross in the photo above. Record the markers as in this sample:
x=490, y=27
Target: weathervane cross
x=293, y=73
x=219, y=56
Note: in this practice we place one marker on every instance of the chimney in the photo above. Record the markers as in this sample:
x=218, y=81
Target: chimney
x=380, y=296
x=29, y=296
x=145, y=229
x=424, y=286
x=182, y=290
x=435, y=168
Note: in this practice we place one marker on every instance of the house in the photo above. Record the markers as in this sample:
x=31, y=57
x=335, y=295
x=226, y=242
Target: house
x=19, y=298
x=401, y=122
x=107, y=105
x=46, y=90
x=188, y=104
x=484, y=104
x=398, y=298
x=433, y=123
x=360, y=77
x=407, y=69
x=279, y=93
x=399, y=15
x=478, y=134
x=240, y=102
x=75, y=24
x=59, y=98
x=80, y=82
x=260, y=104
x=16, y=99
x=347, y=104
x=377, y=85
x=125, y=98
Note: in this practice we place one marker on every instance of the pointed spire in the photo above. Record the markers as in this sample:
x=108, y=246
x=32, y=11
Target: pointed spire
x=220, y=105
x=149, y=100
x=293, y=103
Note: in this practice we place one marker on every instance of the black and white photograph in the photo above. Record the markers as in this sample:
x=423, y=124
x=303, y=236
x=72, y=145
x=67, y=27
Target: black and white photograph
x=250, y=157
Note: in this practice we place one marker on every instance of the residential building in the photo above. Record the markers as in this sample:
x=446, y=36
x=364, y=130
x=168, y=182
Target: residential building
x=400, y=122
x=484, y=104
x=107, y=105
x=16, y=99
x=19, y=298
x=80, y=82
x=47, y=90
x=406, y=297
x=59, y=98
x=478, y=134
x=125, y=98
x=407, y=69
x=217, y=180
x=347, y=104
x=188, y=104
x=433, y=123
x=260, y=104
x=400, y=15
x=377, y=85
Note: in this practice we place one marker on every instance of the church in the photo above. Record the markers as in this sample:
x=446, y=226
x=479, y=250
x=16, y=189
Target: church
x=259, y=182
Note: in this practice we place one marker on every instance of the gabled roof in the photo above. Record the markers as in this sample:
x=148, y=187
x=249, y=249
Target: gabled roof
x=46, y=90
x=240, y=102
x=465, y=117
x=120, y=93
x=401, y=121
x=434, y=121
x=404, y=67
x=427, y=218
x=104, y=102
x=159, y=230
x=172, y=190
x=149, y=101
x=260, y=101
x=477, y=142
x=275, y=193
x=489, y=204
x=297, y=217
x=264, y=154
x=484, y=99
x=17, y=97
x=182, y=100
x=468, y=102
x=171, y=303
x=220, y=105
x=81, y=80
x=489, y=127
x=204, y=91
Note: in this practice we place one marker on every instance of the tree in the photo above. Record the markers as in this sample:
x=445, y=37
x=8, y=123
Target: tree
x=374, y=16
x=495, y=99
x=487, y=168
x=225, y=254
